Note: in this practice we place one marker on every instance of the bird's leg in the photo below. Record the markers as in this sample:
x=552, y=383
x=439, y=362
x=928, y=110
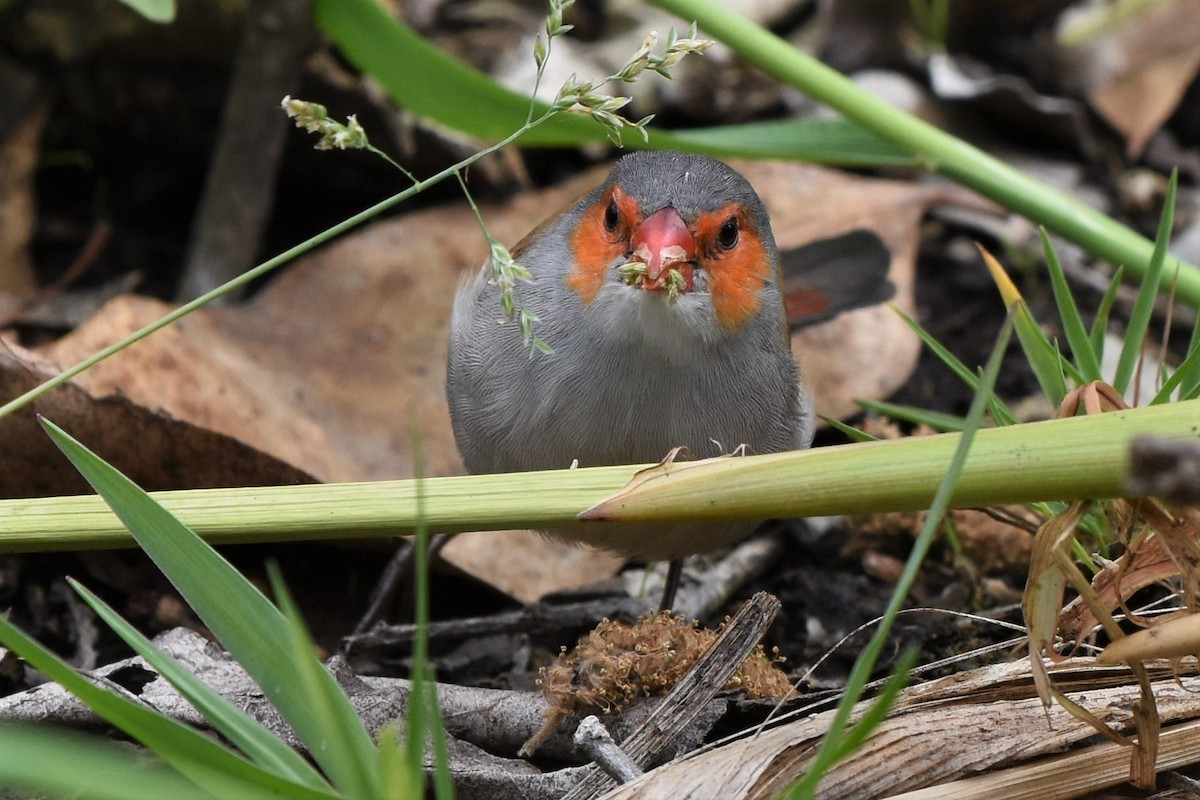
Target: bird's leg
x=671, y=586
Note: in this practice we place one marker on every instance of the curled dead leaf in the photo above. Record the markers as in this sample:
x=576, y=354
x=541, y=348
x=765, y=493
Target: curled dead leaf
x=1175, y=637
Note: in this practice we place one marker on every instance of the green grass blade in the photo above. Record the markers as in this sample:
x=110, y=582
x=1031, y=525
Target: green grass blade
x=1100, y=323
x=431, y=84
x=860, y=731
x=834, y=745
x=1189, y=368
x=249, y=626
x=260, y=745
x=47, y=761
x=830, y=141
x=1143, y=307
x=999, y=411
x=395, y=780
x=1189, y=381
x=1064, y=366
x=850, y=432
x=443, y=779
x=424, y=720
x=1040, y=353
x=1086, y=360
x=327, y=703
x=945, y=356
x=205, y=762
x=917, y=416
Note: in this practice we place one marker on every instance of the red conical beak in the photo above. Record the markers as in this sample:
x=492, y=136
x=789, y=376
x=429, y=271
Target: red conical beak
x=661, y=242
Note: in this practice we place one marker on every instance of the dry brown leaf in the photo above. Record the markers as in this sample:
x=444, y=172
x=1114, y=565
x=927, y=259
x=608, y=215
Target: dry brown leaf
x=153, y=449
x=527, y=565
x=1170, y=551
x=198, y=371
x=1171, y=637
x=1136, y=74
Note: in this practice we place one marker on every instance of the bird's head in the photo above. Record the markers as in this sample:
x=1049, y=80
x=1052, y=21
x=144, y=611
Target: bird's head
x=675, y=224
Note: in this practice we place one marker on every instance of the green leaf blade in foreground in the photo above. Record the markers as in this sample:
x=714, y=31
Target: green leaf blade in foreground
x=202, y=761
x=253, y=629
x=326, y=698
x=264, y=748
x=66, y=764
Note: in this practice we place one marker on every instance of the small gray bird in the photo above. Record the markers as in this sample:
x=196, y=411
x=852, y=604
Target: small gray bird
x=687, y=345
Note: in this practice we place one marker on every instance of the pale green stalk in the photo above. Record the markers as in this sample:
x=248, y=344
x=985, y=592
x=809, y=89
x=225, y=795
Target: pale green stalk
x=1055, y=460
x=936, y=149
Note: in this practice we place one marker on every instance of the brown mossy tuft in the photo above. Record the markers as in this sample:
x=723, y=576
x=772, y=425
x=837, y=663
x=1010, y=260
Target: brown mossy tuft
x=616, y=663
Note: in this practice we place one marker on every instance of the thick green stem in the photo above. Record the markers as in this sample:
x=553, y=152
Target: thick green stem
x=938, y=150
x=1081, y=457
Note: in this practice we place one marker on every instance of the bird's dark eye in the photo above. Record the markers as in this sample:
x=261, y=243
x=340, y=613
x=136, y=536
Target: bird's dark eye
x=612, y=216
x=727, y=237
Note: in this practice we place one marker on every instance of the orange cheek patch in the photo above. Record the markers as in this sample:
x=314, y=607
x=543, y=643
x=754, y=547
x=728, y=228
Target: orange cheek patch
x=736, y=282
x=594, y=248
x=735, y=277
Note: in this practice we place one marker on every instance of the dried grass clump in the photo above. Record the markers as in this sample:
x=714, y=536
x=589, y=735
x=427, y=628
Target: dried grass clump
x=616, y=663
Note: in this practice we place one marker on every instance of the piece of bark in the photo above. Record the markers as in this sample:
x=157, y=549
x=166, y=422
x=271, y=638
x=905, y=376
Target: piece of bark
x=1077, y=774
x=593, y=738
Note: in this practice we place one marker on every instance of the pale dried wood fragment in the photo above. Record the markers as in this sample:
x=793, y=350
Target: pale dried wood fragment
x=1070, y=775
x=940, y=733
